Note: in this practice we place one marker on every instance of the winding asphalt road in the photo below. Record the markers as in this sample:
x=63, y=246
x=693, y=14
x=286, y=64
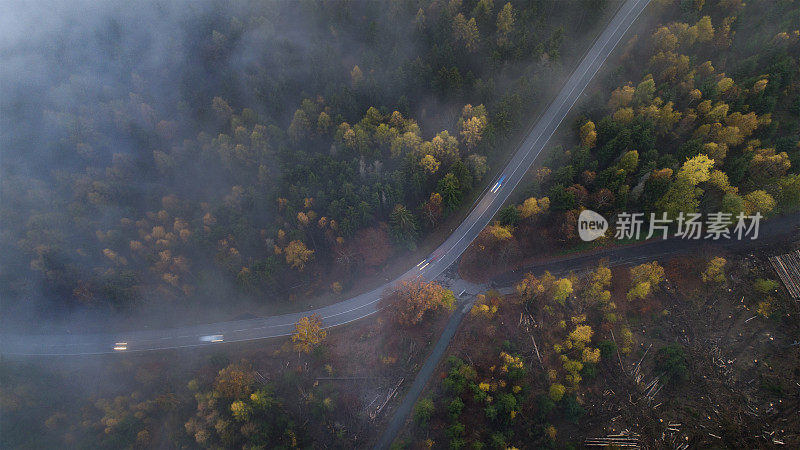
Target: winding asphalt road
x=367, y=303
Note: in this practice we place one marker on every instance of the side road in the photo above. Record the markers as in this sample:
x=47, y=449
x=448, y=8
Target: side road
x=775, y=234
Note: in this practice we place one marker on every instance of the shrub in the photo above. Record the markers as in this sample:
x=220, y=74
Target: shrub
x=671, y=360
x=557, y=391
x=607, y=349
x=571, y=409
x=423, y=411
x=764, y=286
x=456, y=431
x=455, y=408
x=589, y=371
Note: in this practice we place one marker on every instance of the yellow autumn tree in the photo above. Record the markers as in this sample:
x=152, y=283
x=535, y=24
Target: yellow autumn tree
x=759, y=201
x=715, y=271
x=532, y=207
x=472, y=131
x=621, y=97
x=580, y=337
x=562, y=289
x=696, y=170
x=443, y=147
x=297, y=254
x=429, y=163
x=505, y=23
x=624, y=115
x=767, y=164
x=557, y=391
x=705, y=30
x=644, y=278
x=588, y=134
x=234, y=381
x=598, y=282
x=529, y=287
x=500, y=232
x=308, y=333
x=760, y=85
x=466, y=31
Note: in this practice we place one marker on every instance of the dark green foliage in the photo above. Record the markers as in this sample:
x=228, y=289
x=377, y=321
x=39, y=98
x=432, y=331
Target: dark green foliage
x=505, y=403
x=498, y=441
x=455, y=407
x=490, y=412
x=795, y=107
x=654, y=189
x=450, y=190
x=509, y=215
x=690, y=149
x=455, y=431
x=561, y=199
x=459, y=376
x=589, y=371
x=423, y=411
x=672, y=362
x=449, y=81
x=608, y=349
x=544, y=403
x=403, y=225
x=564, y=175
x=571, y=409
x=462, y=174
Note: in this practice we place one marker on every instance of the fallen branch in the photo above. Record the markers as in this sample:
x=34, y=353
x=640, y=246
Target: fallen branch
x=536, y=348
x=389, y=397
x=618, y=355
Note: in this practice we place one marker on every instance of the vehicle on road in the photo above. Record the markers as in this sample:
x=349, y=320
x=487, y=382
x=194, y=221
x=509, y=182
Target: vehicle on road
x=498, y=185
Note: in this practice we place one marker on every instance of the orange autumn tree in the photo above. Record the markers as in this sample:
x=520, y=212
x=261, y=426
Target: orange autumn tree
x=412, y=299
x=308, y=333
x=234, y=381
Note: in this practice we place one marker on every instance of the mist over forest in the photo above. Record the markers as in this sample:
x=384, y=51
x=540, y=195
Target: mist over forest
x=193, y=194
x=191, y=153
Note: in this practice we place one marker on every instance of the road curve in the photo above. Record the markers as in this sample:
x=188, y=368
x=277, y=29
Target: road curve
x=365, y=304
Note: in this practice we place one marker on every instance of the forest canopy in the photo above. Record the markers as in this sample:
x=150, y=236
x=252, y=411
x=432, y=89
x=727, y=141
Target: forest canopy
x=244, y=150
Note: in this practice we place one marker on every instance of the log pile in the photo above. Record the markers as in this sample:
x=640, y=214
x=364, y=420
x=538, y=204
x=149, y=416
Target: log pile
x=625, y=439
x=788, y=268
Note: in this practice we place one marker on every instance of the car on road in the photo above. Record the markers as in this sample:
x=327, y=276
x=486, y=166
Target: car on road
x=498, y=185
x=211, y=338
